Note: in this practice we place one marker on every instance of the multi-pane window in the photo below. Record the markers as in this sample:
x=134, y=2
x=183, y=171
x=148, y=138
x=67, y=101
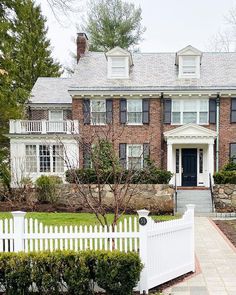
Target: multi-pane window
x=189, y=65
x=98, y=112
x=30, y=158
x=233, y=152
x=233, y=110
x=55, y=123
x=56, y=115
x=135, y=156
x=134, y=111
x=44, y=158
x=190, y=111
x=118, y=67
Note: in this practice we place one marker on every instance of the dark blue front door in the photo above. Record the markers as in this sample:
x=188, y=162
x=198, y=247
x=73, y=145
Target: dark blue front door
x=189, y=167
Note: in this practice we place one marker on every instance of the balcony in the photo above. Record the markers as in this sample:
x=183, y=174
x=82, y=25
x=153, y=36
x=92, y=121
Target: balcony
x=44, y=127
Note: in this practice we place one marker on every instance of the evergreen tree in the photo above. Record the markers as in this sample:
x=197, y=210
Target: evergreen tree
x=113, y=23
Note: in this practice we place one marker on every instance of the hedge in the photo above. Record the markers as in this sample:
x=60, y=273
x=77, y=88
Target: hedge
x=224, y=177
x=67, y=272
x=89, y=176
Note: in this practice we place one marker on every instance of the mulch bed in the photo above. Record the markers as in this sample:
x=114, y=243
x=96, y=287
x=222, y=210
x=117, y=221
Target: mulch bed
x=228, y=227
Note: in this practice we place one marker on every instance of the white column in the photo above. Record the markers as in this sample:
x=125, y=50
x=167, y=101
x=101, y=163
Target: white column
x=211, y=158
x=170, y=159
x=19, y=230
x=143, y=249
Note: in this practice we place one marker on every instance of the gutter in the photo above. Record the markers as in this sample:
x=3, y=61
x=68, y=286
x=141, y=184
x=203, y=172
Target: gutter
x=217, y=130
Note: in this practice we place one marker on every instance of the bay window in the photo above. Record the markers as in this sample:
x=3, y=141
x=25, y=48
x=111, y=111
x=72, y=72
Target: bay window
x=190, y=111
x=134, y=111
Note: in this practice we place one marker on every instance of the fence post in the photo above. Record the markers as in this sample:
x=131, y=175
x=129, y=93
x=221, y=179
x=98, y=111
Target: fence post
x=19, y=230
x=143, y=249
x=190, y=214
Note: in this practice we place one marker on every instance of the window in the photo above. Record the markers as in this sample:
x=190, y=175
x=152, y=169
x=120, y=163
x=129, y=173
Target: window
x=44, y=158
x=135, y=156
x=201, y=161
x=98, y=112
x=189, y=65
x=177, y=161
x=134, y=111
x=233, y=152
x=30, y=158
x=190, y=111
x=56, y=115
x=233, y=110
x=118, y=67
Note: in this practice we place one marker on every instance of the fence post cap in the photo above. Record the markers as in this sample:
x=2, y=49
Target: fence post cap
x=190, y=206
x=143, y=212
x=18, y=213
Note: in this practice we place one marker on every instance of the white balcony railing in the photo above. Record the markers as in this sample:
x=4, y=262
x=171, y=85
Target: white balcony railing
x=43, y=127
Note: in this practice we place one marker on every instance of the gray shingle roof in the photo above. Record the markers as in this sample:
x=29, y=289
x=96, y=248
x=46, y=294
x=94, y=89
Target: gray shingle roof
x=156, y=70
x=51, y=90
x=151, y=71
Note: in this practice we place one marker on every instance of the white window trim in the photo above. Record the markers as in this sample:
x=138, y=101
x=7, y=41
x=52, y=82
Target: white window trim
x=110, y=75
x=51, y=172
x=134, y=124
x=91, y=111
x=59, y=111
x=197, y=64
x=127, y=154
x=197, y=111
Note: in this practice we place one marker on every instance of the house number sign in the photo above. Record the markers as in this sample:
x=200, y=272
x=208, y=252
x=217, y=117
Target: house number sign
x=142, y=221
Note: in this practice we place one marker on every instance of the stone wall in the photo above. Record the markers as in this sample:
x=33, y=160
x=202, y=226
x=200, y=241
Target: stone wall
x=155, y=197
x=225, y=197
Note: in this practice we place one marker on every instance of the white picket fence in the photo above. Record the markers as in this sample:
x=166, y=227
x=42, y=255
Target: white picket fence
x=166, y=249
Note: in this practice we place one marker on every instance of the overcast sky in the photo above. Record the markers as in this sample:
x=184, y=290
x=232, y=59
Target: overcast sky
x=170, y=25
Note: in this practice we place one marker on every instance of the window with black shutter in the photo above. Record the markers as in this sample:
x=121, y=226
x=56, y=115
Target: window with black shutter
x=233, y=110
x=212, y=110
x=167, y=110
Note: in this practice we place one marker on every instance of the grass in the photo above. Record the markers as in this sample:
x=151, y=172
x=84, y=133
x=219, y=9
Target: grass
x=74, y=218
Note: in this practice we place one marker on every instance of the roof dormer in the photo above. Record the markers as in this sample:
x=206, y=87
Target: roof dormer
x=189, y=60
x=118, y=63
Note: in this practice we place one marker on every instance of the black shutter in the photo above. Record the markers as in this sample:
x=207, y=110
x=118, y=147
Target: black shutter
x=212, y=110
x=86, y=111
x=146, y=153
x=122, y=154
x=109, y=111
x=146, y=106
x=86, y=155
x=233, y=110
x=123, y=111
x=167, y=110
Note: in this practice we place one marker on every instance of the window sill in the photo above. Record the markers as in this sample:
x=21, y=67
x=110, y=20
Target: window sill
x=101, y=124
x=181, y=124
x=134, y=124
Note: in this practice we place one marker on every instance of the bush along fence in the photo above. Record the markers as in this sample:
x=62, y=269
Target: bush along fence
x=166, y=249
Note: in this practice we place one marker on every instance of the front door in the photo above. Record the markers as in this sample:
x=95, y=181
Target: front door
x=189, y=167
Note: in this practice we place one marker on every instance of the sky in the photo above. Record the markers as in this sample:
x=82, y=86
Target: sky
x=170, y=25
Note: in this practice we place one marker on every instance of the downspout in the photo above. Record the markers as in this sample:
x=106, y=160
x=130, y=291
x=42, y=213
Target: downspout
x=162, y=127
x=217, y=130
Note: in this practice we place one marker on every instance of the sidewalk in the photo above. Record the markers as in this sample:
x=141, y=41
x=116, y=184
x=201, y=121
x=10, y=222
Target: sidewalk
x=217, y=260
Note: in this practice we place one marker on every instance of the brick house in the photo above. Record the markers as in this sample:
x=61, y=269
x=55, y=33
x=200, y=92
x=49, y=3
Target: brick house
x=178, y=108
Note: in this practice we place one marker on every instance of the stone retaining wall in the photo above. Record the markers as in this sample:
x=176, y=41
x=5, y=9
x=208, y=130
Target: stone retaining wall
x=155, y=197
x=225, y=197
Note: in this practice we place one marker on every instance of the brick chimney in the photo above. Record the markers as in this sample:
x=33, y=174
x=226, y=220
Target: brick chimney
x=82, y=45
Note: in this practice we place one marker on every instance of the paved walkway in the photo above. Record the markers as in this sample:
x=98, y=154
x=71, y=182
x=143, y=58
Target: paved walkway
x=217, y=262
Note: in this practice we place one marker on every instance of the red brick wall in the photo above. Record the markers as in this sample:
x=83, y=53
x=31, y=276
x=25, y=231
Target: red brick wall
x=227, y=131
x=126, y=134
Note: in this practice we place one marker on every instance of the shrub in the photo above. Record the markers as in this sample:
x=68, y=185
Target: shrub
x=231, y=166
x=224, y=177
x=145, y=176
x=47, y=188
x=53, y=273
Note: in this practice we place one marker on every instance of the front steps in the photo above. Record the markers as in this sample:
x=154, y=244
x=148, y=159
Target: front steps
x=201, y=198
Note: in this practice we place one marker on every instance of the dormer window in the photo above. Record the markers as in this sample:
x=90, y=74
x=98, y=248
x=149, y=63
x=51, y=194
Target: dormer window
x=189, y=65
x=119, y=67
x=118, y=63
x=188, y=61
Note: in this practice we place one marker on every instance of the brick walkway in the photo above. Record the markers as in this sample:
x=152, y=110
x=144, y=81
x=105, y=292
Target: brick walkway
x=217, y=258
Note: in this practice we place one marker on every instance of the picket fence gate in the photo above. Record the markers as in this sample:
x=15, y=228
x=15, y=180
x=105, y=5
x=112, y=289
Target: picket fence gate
x=166, y=248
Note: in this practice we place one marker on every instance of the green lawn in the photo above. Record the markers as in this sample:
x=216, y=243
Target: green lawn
x=73, y=218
